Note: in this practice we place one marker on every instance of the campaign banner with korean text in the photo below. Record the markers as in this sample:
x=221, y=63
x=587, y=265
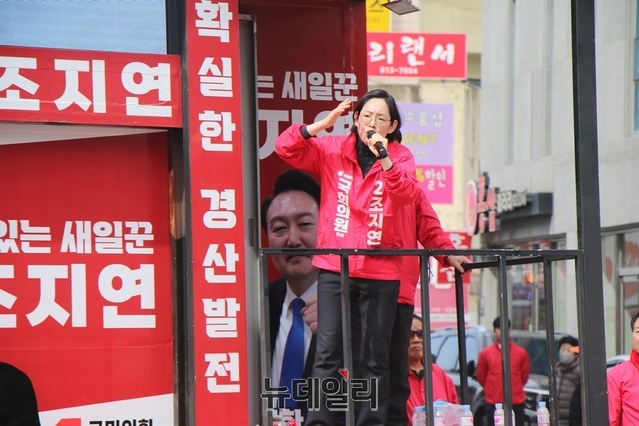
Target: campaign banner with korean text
x=89, y=87
x=419, y=55
x=217, y=215
x=427, y=130
x=85, y=278
x=442, y=296
x=310, y=77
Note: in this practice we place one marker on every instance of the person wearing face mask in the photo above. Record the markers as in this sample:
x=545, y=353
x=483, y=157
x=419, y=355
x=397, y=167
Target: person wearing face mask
x=569, y=375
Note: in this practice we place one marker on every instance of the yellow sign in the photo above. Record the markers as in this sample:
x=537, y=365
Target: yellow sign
x=378, y=18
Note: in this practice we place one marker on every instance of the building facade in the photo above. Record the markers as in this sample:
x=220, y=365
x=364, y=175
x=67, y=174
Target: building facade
x=527, y=145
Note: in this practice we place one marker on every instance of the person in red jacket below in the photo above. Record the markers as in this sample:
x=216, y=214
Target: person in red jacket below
x=623, y=385
x=443, y=386
x=489, y=375
x=366, y=176
x=423, y=226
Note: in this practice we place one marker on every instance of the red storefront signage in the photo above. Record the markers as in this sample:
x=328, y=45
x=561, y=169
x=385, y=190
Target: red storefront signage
x=420, y=55
x=89, y=87
x=215, y=138
x=85, y=278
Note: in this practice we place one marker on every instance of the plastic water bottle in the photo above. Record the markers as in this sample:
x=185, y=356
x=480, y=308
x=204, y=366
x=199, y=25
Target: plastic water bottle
x=438, y=415
x=543, y=415
x=466, y=418
x=419, y=416
x=499, y=415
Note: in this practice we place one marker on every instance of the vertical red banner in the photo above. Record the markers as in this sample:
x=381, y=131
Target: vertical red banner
x=215, y=140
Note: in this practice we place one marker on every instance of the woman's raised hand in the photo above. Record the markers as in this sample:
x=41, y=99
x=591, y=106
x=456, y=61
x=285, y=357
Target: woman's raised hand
x=332, y=116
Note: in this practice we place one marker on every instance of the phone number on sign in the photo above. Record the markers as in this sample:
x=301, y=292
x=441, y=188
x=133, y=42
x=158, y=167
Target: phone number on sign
x=398, y=70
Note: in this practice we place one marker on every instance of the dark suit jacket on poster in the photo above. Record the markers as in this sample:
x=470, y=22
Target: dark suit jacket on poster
x=18, y=406
x=276, y=295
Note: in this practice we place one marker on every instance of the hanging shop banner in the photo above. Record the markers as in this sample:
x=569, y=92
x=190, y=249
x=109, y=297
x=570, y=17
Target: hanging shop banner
x=442, y=294
x=217, y=221
x=420, y=55
x=308, y=79
x=89, y=87
x=427, y=130
x=85, y=278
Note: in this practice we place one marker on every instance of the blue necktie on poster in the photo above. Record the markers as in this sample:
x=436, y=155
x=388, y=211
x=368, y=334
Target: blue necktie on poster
x=293, y=361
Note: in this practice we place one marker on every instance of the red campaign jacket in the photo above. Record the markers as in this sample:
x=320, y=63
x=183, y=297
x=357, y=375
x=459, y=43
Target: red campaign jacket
x=355, y=212
x=443, y=389
x=623, y=393
x=422, y=223
x=489, y=375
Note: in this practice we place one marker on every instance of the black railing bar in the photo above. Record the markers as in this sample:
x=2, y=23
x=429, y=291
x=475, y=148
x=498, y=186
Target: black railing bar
x=461, y=341
x=550, y=253
x=428, y=361
x=550, y=338
x=347, y=343
x=502, y=282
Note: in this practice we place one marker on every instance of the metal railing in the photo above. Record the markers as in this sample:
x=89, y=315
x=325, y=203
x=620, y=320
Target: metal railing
x=500, y=259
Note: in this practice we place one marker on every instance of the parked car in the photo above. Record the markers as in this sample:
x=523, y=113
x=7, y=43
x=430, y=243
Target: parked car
x=616, y=360
x=444, y=346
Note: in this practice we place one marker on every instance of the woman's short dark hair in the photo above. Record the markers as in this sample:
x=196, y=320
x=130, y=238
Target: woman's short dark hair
x=633, y=320
x=395, y=135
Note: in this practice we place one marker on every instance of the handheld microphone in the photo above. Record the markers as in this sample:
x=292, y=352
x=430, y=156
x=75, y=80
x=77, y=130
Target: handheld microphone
x=378, y=145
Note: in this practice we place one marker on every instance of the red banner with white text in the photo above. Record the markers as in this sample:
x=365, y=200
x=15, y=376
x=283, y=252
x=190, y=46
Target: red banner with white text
x=85, y=278
x=421, y=55
x=89, y=87
x=219, y=279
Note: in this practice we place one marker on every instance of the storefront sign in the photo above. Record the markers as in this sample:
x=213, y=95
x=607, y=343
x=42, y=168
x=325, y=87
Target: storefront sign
x=487, y=206
x=419, y=55
x=427, y=130
x=89, y=87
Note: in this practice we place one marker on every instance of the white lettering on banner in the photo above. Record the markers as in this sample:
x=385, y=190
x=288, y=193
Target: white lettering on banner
x=412, y=47
x=376, y=215
x=216, y=218
x=445, y=54
x=72, y=94
x=131, y=283
x=26, y=234
x=213, y=20
x=342, y=215
x=214, y=125
x=215, y=259
x=377, y=54
x=139, y=78
x=225, y=365
x=296, y=86
x=116, y=283
x=221, y=317
x=11, y=77
x=265, y=82
x=274, y=118
x=7, y=299
x=47, y=305
x=110, y=237
x=220, y=82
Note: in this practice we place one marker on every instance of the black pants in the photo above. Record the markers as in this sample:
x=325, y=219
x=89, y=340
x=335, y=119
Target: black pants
x=517, y=408
x=399, y=368
x=374, y=302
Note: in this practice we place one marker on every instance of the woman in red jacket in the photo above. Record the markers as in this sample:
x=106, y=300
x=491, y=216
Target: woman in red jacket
x=362, y=189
